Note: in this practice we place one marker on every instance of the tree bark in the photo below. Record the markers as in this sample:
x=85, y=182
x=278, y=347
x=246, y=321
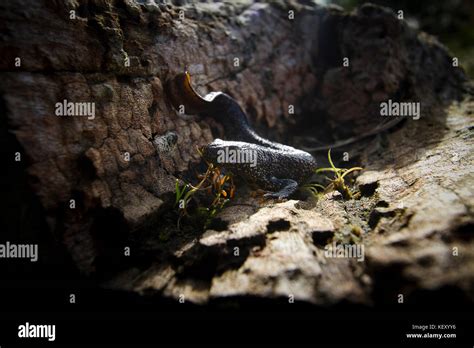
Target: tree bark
x=415, y=214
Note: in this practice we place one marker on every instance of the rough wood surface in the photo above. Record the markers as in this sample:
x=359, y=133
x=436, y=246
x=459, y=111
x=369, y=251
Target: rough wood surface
x=417, y=187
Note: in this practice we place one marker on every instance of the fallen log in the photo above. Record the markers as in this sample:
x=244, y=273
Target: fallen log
x=307, y=76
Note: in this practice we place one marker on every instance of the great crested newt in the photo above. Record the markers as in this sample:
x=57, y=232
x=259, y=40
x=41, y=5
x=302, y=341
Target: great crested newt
x=273, y=167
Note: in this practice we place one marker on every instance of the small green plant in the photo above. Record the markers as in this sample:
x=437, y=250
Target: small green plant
x=313, y=189
x=214, y=185
x=337, y=183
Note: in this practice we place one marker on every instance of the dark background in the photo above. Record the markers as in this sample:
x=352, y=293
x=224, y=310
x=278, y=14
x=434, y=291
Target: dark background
x=452, y=21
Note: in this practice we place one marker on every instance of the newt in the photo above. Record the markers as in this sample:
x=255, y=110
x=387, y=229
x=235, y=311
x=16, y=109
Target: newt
x=277, y=168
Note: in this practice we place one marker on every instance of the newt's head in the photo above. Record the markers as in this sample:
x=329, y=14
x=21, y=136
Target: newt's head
x=217, y=105
x=184, y=97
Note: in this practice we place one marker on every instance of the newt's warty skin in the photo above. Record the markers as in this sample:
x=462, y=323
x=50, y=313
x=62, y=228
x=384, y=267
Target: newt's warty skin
x=276, y=167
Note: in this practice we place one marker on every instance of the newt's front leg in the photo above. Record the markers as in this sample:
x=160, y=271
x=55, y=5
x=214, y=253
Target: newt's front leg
x=286, y=188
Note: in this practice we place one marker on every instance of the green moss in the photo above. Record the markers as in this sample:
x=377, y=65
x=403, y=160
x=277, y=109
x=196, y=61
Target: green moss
x=337, y=183
x=198, y=205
